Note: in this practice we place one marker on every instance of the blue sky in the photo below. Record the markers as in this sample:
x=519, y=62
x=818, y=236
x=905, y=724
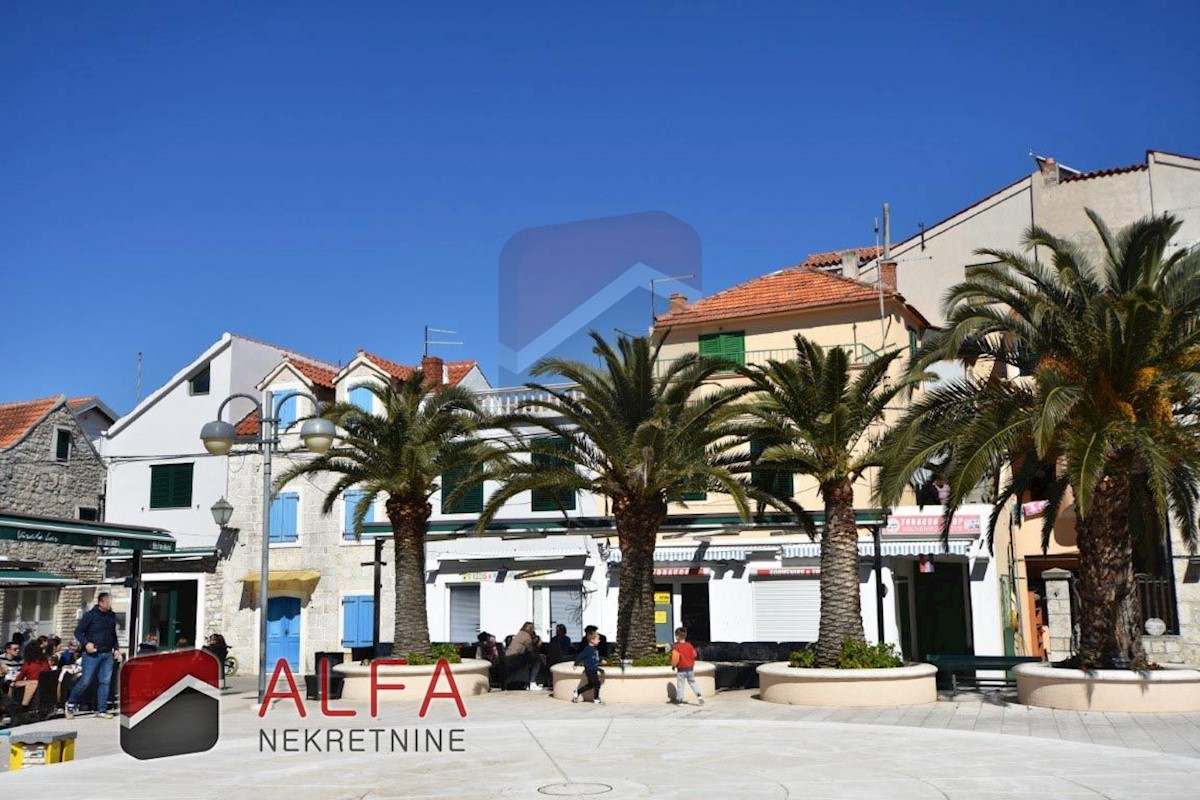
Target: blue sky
x=332, y=176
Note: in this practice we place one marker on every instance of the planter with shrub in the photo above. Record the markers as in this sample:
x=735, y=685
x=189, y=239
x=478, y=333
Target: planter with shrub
x=1119, y=690
x=866, y=675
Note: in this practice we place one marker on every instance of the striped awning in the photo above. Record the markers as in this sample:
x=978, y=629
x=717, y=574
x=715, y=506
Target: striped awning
x=695, y=554
x=867, y=549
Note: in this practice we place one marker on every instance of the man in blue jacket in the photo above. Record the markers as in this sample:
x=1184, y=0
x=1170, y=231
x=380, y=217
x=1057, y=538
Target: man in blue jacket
x=97, y=635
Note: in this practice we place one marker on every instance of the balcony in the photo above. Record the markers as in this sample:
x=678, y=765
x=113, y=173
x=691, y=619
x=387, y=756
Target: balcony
x=860, y=354
x=510, y=400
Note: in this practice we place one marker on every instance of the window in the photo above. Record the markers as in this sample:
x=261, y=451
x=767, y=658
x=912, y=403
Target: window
x=200, y=382
x=351, y=499
x=29, y=610
x=914, y=342
x=471, y=501
x=171, y=485
x=777, y=483
x=88, y=514
x=550, y=499
x=285, y=409
x=464, y=613
x=358, y=620
x=361, y=396
x=727, y=345
x=62, y=444
x=283, y=517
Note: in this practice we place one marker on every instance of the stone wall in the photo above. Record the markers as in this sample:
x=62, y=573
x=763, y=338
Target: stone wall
x=33, y=481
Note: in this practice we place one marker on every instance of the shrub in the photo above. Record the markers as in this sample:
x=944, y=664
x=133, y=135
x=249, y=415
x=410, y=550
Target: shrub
x=805, y=659
x=854, y=655
x=440, y=651
x=654, y=660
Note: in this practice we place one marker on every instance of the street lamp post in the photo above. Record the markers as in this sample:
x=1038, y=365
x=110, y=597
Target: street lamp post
x=316, y=433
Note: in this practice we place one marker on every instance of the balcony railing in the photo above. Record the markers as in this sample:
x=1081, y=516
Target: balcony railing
x=860, y=354
x=509, y=400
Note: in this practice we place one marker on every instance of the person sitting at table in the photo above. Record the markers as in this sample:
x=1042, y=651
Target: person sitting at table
x=524, y=651
x=25, y=684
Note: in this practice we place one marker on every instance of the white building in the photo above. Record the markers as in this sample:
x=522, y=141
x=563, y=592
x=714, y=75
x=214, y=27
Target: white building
x=160, y=477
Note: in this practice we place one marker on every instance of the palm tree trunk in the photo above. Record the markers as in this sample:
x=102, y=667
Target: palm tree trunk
x=1110, y=615
x=638, y=521
x=841, y=603
x=409, y=519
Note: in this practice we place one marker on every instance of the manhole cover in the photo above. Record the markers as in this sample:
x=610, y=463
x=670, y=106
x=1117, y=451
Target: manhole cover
x=574, y=789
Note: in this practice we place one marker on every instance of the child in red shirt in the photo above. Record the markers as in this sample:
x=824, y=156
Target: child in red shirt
x=683, y=659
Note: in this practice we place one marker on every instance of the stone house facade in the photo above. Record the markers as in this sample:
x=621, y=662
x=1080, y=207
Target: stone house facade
x=48, y=467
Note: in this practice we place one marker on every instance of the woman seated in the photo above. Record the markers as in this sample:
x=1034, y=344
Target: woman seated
x=33, y=664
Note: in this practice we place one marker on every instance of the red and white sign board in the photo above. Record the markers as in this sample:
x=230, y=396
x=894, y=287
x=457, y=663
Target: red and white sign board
x=914, y=522
x=786, y=572
x=676, y=572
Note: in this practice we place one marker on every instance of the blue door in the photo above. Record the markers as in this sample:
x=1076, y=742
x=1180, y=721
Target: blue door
x=283, y=632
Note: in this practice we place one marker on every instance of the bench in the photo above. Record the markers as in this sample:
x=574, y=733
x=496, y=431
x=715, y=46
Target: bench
x=951, y=666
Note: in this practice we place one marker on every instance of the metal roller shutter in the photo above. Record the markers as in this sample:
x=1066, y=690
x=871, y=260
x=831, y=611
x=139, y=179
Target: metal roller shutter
x=464, y=613
x=787, y=610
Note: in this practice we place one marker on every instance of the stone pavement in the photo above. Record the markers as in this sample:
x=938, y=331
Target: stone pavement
x=525, y=745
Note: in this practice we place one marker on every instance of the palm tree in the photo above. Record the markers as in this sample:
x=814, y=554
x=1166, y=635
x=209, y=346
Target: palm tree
x=819, y=416
x=401, y=453
x=1111, y=352
x=623, y=432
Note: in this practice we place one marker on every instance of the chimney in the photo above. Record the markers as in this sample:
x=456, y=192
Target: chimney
x=434, y=369
x=678, y=302
x=1049, y=169
x=887, y=273
x=850, y=264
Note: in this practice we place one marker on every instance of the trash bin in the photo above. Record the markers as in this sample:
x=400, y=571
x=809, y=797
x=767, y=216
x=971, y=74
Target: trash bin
x=40, y=748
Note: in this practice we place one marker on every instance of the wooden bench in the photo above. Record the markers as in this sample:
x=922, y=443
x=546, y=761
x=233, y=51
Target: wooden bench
x=951, y=666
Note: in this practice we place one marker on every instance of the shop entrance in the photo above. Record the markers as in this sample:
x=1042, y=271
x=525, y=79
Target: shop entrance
x=693, y=611
x=940, y=603
x=170, y=611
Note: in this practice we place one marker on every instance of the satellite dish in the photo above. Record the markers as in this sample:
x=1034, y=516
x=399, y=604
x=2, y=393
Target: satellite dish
x=1155, y=626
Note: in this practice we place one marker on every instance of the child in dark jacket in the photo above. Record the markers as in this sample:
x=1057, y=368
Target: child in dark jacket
x=589, y=658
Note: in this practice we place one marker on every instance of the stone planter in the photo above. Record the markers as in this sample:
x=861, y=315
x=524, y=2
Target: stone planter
x=634, y=684
x=898, y=686
x=471, y=678
x=1108, y=689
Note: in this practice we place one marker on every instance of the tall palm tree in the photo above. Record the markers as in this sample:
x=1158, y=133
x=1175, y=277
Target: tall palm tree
x=1111, y=352
x=821, y=415
x=636, y=432
x=420, y=434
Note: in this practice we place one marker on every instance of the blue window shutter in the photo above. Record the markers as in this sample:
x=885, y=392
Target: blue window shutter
x=285, y=411
x=351, y=497
x=358, y=617
x=361, y=396
x=349, y=621
x=283, y=517
x=366, y=619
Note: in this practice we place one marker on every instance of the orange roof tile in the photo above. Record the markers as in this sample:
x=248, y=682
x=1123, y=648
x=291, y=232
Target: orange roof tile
x=248, y=425
x=16, y=419
x=802, y=287
x=457, y=369
x=76, y=402
x=320, y=375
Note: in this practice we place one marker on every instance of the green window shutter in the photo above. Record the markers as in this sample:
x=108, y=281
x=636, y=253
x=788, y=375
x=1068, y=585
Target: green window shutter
x=733, y=347
x=777, y=483
x=471, y=501
x=545, y=499
x=913, y=343
x=171, y=485
x=730, y=345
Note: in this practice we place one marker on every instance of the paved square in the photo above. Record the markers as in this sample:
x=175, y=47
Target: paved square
x=525, y=745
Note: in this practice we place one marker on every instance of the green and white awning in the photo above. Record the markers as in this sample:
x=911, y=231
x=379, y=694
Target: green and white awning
x=26, y=577
x=68, y=532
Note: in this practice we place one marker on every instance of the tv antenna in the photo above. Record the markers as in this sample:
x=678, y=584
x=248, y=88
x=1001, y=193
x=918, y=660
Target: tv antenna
x=428, y=341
